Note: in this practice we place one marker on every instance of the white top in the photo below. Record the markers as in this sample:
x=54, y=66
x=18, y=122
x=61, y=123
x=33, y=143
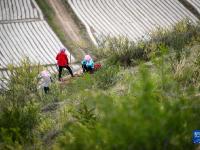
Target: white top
x=45, y=79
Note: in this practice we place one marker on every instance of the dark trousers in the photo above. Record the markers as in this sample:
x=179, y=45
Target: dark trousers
x=60, y=71
x=46, y=90
x=87, y=69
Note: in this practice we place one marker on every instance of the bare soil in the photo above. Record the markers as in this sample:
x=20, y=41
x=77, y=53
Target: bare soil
x=65, y=21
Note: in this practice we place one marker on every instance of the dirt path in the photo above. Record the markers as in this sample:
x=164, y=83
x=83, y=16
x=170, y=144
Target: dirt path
x=65, y=20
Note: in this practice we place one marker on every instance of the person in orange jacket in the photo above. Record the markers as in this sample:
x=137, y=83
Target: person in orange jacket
x=62, y=62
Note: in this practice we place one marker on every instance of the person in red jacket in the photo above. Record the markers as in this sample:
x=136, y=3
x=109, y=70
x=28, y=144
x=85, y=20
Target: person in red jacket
x=62, y=62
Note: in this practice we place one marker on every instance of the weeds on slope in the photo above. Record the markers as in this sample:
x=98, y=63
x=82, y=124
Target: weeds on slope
x=157, y=112
x=23, y=107
x=159, y=109
x=127, y=53
x=148, y=117
x=19, y=109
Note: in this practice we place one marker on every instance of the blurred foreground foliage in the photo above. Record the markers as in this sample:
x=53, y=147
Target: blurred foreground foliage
x=146, y=96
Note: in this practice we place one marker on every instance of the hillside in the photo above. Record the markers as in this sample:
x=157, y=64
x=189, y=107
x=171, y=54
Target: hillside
x=67, y=26
x=145, y=96
x=132, y=18
x=144, y=90
x=25, y=33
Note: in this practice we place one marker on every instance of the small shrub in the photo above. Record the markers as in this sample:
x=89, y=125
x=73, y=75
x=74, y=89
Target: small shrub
x=122, y=51
x=19, y=122
x=176, y=38
x=187, y=70
x=106, y=76
x=85, y=115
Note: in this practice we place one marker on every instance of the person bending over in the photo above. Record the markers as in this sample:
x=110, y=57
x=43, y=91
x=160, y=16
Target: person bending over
x=87, y=64
x=62, y=62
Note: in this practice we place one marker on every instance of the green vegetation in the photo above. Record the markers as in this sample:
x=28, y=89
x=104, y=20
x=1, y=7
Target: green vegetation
x=146, y=96
x=125, y=52
x=19, y=111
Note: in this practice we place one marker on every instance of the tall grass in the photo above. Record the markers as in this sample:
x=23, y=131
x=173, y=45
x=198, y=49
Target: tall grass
x=122, y=51
x=106, y=77
x=143, y=119
x=160, y=107
x=127, y=53
x=19, y=111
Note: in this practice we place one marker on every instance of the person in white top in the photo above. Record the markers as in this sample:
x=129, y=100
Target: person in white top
x=45, y=80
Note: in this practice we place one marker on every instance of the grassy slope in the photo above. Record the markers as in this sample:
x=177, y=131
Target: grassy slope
x=158, y=92
x=118, y=107
x=136, y=107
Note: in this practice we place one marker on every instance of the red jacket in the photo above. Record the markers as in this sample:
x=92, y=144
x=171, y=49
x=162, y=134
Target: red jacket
x=62, y=59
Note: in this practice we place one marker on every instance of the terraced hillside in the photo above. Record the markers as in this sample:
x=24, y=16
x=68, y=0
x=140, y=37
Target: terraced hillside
x=134, y=19
x=25, y=33
x=195, y=3
x=18, y=10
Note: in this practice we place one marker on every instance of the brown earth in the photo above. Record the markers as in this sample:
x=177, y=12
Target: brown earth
x=77, y=43
x=65, y=21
